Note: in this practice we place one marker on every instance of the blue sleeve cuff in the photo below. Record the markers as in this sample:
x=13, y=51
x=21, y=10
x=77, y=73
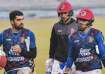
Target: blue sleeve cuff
x=69, y=62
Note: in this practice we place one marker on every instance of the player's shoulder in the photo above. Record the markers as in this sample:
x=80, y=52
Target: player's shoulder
x=28, y=31
x=7, y=30
x=94, y=30
x=57, y=23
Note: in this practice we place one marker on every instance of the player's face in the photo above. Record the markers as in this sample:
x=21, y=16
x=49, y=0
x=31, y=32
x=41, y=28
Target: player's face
x=64, y=16
x=82, y=24
x=18, y=22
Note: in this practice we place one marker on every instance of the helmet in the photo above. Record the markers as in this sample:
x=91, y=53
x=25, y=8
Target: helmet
x=3, y=59
x=65, y=7
x=85, y=14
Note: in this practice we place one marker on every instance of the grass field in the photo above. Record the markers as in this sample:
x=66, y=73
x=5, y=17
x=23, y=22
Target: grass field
x=42, y=29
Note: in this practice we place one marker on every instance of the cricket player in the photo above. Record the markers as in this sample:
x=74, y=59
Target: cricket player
x=65, y=27
x=19, y=46
x=86, y=46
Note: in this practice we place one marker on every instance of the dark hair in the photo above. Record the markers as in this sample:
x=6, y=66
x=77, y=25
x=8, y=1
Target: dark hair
x=15, y=13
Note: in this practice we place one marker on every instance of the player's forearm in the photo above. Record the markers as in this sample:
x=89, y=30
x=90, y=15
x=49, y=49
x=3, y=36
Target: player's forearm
x=101, y=45
x=69, y=62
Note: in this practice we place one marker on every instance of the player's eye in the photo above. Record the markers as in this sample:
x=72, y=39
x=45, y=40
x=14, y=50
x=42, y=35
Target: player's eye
x=19, y=19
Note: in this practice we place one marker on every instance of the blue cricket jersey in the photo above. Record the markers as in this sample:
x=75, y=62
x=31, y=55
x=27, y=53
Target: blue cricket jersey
x=26, y=40
x=82, y=50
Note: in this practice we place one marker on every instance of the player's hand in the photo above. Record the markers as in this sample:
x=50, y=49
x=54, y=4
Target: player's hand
x=16, y=49
x=67, y=70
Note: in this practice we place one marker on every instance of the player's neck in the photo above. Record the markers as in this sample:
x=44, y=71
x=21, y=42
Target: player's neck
x=15, y=30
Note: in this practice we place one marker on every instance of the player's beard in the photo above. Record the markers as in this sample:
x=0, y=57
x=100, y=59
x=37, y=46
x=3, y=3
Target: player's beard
x=19, y=27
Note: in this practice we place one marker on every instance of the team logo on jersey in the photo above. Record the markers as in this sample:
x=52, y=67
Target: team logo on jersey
x=85, y=55
x=90, y=39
